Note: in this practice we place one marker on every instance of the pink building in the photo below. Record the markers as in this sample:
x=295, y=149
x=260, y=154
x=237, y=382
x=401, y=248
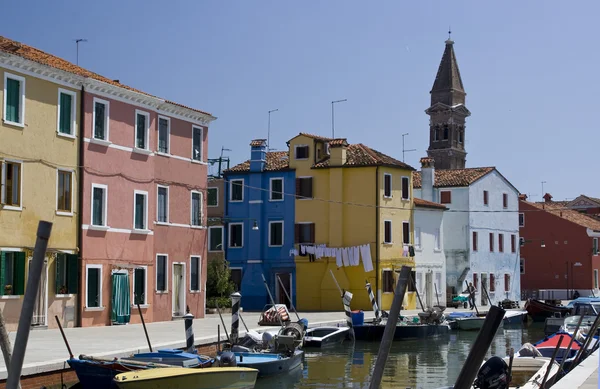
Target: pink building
x=143, y=207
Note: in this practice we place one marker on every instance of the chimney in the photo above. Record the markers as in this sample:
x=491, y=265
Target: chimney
x=427, y=178
x=547, y=197
x=337, y=152
x=523, y=197
x=258, y=155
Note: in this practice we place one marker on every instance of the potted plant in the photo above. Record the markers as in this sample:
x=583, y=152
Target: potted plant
x=7, y=290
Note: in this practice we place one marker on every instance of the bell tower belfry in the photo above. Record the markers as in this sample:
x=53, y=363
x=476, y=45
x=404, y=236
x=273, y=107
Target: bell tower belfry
x=447, y=114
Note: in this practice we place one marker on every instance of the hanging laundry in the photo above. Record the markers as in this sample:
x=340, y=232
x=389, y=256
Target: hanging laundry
x=366, y=257
x=356, y=255
x=293, y=252
x=405, y=251
x=345, y=256
x=338, y=257
x=303, y=249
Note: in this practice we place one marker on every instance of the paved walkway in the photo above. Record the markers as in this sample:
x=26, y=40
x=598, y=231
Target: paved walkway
x=584, y=376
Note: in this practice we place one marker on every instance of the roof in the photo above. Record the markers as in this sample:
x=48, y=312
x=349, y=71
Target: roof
x=10, y=46
x=558, y=208
x=361, y=155
x=428, y=204
x=275, y=160
x=448, y=75
x=257, y=142
x=445, y=178
x=317, y=137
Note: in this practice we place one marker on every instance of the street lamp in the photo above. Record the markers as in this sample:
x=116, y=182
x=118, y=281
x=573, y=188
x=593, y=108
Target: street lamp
x=255, y=226
x=332, y=115
x=269, y=129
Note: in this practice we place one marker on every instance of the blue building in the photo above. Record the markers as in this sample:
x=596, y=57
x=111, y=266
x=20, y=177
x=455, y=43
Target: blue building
x=259, y=222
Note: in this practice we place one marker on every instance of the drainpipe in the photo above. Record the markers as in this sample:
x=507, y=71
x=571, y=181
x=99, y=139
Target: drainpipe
x=377, y=236
x=79, y=300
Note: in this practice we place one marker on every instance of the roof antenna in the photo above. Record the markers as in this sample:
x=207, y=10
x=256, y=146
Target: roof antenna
x=77, y=43
x=449, y=33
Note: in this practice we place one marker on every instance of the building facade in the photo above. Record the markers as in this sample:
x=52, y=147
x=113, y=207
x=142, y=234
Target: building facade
x=480, y=231
x=39, y=155
x=430, y=259
x=259, y=226
x=349, y=196
x=559, y=247
x=215, y=209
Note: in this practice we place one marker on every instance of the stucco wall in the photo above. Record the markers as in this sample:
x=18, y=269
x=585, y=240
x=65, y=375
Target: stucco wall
x=38, y=140
x=219, y=210
x=428, y=258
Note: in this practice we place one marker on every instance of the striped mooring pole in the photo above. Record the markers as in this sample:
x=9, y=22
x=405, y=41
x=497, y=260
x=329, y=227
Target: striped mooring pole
x=235, y=316
x=189, y=331
x=373, y=302
x=346, y=301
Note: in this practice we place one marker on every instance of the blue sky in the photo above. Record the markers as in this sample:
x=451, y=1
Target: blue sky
x=530, y=70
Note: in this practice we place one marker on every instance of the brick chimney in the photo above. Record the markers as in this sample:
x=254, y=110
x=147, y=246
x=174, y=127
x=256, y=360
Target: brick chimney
x=547, y=197
x=258, y=155
x=427, y=178
x=337, y=152
x=523, y=197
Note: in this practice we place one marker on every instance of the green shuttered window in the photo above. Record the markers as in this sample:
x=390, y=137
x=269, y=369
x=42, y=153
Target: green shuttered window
x=195, y=275
x=215, y=238
x=213, y=197
x=93, y=287
x=100, y=121
x=197, y=144
x=161, y=273
x=65, y=118
x=67, y=267
x=12, y=273
x=139, y=286
x=13, y=100
x=140, y=211
x=140, y=131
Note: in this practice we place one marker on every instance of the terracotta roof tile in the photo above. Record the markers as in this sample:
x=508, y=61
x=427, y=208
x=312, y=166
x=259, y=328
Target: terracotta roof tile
x=31, y=53
x=361, y=155
x=428, y=204
x=276, y=160
x=318, y=137
x=338, y=142
x=257, y=142
x=557, y=208
x=445, y=178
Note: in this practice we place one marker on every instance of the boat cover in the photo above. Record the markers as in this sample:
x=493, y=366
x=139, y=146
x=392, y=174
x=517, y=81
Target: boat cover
x=456, y=315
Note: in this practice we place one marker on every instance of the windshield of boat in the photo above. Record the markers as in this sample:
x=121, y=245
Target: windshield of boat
x=587, y=309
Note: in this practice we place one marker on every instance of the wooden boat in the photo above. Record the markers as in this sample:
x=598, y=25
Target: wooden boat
x=324, y=336
x=529, y=372
x=515, y=317
x=539, y=311
x=176, y=377
x=98, y=373
x=269, y=364
x=473, y=323
x=370, y=331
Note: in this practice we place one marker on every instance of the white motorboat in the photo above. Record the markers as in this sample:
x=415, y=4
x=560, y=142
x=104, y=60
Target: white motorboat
x=472, y=323
x=529, y=372
x=326, y=335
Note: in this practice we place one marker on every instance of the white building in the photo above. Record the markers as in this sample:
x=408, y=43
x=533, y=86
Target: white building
x=430, y=259
x=480, y=233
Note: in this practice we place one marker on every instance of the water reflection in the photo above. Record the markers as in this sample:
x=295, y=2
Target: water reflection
x=427, y=364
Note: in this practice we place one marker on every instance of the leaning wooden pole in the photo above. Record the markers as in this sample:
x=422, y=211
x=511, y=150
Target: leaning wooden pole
x=5, y=343
x=144, y=325
x=390, y=328
x=33, y=284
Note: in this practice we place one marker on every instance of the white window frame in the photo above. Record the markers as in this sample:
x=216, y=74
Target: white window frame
x=296, y=152
x=217, y=189
x=595, y=278
x=21, y=106
x=417, y=237
x=145, y=303
x=93, y=138
x=282, y=231
x=437, y=243
x=145, y=194
x=105, y=206
x=168, y=119
x=199, y=273
x=87, y=274
x=166, y=273
x=521, y=215
x=271, y=188
x=201, y=146
x=403, y=240
x=60, y=212
x=231, y=190
x=158, y=186
x=209, y=238
x=386, y=175
x=402, y=186
x=136, y=149
x=229, y=235
x=201, y=219
x=3, y=186
x=73, y=95
x=385, y=222
x=595, y=244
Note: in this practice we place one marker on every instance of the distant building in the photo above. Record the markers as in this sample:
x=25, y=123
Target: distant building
x=559, y=252
x=215, y=209
x=259, y=226
x=348, y=196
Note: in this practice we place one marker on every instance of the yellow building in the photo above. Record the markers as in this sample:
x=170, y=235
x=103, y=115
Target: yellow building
x=39, y=151
x=350, y=195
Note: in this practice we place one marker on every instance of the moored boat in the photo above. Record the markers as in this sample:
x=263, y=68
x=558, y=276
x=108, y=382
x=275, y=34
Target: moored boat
x=515, y=317
x=269, y=364
x=324, y=336
x=539, y=310
x=547, y=346
x=370, y=332
x=472, y=323
x=175, y=377
x=529, y=372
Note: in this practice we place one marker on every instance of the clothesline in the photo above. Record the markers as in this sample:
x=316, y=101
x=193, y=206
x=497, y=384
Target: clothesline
x=344, y=256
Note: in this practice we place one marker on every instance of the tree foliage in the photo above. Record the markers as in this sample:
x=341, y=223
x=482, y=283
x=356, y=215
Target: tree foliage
x=218, y=283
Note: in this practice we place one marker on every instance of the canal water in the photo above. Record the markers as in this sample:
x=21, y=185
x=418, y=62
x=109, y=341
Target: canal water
x=426, y=363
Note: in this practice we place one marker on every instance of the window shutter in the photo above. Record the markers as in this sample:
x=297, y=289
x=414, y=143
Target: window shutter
x=312, y=233
x=139, y=286
x=310, y=189
x=72, y=273
x=2, y=271
x=19, y=286
x=296, y=234
x=405, y=188
x=298, y=187
x=12, y=100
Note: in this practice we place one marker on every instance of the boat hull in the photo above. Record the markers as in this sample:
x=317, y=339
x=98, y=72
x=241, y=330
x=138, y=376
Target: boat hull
x=515, y=318
x=325, y=336
x=97, y=375
x=472, y=323
x=175, y=378
x=269, y=364
x=371, y=332
x=540, y=311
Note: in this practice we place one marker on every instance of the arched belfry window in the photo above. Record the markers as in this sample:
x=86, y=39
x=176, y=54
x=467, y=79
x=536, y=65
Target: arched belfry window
x=446, y=132
x=436, y=134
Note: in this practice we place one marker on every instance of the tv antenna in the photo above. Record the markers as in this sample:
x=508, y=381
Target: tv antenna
x=77, y=43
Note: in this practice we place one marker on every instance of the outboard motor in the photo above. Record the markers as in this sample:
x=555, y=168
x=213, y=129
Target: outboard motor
x=227, y=359
x=492, y=375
